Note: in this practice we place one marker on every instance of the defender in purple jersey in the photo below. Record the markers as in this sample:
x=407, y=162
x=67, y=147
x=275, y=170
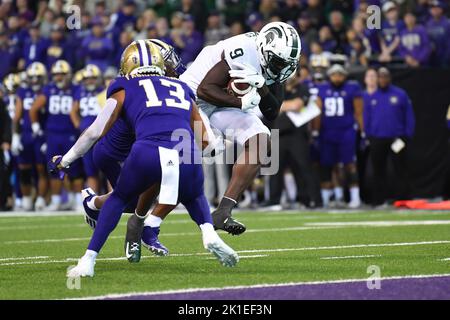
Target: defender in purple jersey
x=85, y=108
x=55, y=101
x=341, y=103
x=158, y=109
x=110, y=153
x=30, y=149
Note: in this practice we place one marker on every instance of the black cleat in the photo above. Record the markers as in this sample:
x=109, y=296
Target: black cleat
x=227, y=223
x=135, y=227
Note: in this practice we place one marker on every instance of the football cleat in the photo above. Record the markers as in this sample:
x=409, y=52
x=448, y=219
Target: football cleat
x=84, y=268
x=224, y=221
x=226, y=256
x=90, y=215
x=354, y=204
x=133, y=237
x=151, y=242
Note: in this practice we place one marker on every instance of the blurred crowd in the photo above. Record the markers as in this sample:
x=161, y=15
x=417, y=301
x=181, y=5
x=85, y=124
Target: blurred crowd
x=413, y=33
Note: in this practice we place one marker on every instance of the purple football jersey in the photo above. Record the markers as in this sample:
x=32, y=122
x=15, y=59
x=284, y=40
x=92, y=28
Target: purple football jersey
x=89, y=105
x=338, y=112
x=155, y=106
x=27, y=96
x=58, y=107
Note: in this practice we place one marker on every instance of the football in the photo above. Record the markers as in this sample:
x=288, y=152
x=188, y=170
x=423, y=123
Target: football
x=238, y=89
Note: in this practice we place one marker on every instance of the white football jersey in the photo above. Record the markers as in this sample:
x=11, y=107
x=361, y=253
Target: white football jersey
x=238, y=49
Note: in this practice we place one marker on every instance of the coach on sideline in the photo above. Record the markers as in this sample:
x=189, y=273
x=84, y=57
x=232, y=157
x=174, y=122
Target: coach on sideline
x=389, y=124
x=5, y=158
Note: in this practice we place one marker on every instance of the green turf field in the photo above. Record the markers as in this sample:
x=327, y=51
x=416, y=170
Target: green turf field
x=279, y=247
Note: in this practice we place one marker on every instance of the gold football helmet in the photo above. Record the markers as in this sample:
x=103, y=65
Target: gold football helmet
x=11, y=82
x=61, y=73
x=36, y=75
x=78, y=77
x=91, y=77
x=142, y=57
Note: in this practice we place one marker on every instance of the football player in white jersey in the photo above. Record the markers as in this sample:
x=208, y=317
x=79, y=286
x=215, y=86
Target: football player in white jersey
x=264, y=60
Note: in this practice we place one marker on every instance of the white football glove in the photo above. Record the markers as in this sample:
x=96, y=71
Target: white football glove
x=250, y=100
x=247, y=74
x=16, y=145
x=36, y=128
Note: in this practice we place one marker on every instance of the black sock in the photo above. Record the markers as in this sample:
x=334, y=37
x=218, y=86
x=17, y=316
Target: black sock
x=226, y=204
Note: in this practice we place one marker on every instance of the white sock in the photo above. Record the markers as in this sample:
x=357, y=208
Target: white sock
x=338, y=193
x=78, y=198
x=91, y=204
x=354, y=194
x=56, y=199
x=153, y=221
x=326, y=195
x=208, y=233
x=26, y=202
x=70, y=197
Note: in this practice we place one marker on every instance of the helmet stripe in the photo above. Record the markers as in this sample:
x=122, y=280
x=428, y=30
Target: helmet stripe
x=294, y=46
x=140, y=54
x=147, y=46
x=144, y=51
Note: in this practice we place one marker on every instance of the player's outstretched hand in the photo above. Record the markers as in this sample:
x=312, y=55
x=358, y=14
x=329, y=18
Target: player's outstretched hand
x=247, y=74
x=55, y=168
x=250, y=100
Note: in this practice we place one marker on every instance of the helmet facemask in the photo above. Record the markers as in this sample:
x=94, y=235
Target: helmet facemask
x=278, y=69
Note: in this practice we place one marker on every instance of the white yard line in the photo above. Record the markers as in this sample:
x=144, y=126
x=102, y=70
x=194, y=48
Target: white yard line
x=256, y=251
x=245, y=257
x=264, y=285
x=24, y=258
x=379, y=223
x=351, y=257
x=445, y=259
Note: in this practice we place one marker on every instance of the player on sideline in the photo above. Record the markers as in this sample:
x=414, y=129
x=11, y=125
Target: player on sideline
x=155, y=106
x=264, y=61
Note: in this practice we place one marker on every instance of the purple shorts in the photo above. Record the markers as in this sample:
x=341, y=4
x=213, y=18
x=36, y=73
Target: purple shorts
x=337, y=147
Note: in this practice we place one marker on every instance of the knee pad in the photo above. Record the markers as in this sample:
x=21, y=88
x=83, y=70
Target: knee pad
x=26, y=176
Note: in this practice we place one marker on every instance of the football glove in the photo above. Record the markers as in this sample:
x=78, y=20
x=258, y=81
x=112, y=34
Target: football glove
x=55, y=168
x=36, y=128
x=250, y=100
x=247, y=74
x=16, y=145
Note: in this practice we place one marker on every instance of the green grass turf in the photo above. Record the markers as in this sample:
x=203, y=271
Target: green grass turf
x=189, y=266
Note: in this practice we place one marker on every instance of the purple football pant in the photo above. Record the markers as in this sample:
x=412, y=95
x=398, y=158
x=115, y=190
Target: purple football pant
x=141, y=170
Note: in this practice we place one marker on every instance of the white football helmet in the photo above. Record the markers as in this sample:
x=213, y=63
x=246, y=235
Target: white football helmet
x=279, y=49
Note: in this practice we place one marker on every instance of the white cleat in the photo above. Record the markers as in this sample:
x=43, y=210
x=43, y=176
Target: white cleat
x=40, y=204
x=53, y=207
x=354, y=204
x=84, y=268
x=227, y=256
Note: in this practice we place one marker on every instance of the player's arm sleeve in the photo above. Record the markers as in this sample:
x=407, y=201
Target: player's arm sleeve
x=271, y=100
x=90, y=136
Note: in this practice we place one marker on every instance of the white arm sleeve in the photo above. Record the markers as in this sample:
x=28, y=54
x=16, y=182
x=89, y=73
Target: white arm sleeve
x=91, y=135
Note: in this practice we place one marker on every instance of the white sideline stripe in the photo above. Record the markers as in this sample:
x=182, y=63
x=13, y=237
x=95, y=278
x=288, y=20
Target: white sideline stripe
x=445, y=259
x=264, y=285
x=399, y=244
x=351, y=257
x=380, y=223
x=24, y=258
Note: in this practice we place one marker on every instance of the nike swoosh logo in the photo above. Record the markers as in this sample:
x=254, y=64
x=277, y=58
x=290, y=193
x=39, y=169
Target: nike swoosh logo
x=128, y=255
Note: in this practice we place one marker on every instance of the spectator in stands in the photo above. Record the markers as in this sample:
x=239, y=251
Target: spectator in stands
x=163, y=30
x=291, y=11
x=197, y=11
x=326, y=40
x=359, y=55
x=338, y=31
x=176, y=24
x=268, y=8
x=216, y=30
x=125, y=17
x=438, y=28
x=308, y=33
x=35, y=47
x=8, y=56
x=315, y=11
x=236, y=28
x=97, y=48
x=414, y=43
x=390, y=32
x=47, y=23
x=389, y=124
x=163, y=8
x=190, y=42
x=126, y=37
x=255, y=22
x=57, y=48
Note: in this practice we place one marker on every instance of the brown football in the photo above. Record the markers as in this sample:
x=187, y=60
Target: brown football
x=238, y=89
